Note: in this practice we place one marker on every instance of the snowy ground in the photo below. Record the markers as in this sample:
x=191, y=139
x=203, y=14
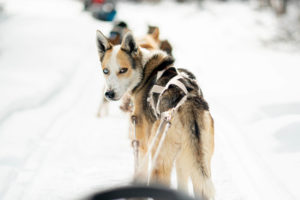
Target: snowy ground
x=52, y=145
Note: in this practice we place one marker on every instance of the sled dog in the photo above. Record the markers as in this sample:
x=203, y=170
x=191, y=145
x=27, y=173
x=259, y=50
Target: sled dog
x=189, y=143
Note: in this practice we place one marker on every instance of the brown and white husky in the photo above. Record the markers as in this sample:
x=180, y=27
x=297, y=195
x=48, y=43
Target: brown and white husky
x=189, y=143
x=150, y=41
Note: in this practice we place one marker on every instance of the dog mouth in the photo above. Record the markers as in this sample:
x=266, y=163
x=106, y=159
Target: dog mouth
x=113, y=98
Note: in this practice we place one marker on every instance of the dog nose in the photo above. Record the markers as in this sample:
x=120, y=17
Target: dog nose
x=110, y=94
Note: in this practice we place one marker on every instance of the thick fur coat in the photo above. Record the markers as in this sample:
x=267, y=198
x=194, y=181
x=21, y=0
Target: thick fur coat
x=189, y=143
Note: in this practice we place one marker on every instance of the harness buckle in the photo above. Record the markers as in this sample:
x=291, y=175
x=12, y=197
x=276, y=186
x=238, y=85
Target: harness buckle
x=157, y=89
x=134, y=119
x=135, y=144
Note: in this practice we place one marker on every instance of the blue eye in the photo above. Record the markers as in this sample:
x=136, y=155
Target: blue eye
x=105, y=71
x=123, y=70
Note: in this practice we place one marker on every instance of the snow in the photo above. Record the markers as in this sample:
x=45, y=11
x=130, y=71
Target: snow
x=52, y=145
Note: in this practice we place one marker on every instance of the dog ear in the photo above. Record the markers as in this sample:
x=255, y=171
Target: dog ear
x=102, y=43
x=166, y=46
x=155, y=33
x=129, y=44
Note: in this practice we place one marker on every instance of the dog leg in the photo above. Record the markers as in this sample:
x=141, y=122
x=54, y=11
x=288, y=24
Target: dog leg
x=142, y=131
x=126, y=105
x=141, y=175
x=161, y=173
x=162, y=166
x=103, y=108
x=182, y=174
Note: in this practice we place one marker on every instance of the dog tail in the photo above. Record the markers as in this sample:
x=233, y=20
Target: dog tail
x=202, y=136
x=202, y=129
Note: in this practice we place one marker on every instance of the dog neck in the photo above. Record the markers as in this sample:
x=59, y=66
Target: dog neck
x=146, y=55
x=153, y=61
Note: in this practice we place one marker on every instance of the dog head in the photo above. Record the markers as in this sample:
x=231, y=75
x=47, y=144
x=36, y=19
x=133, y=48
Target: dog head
x=121, y=65
x=117, y=33
x=151, y=40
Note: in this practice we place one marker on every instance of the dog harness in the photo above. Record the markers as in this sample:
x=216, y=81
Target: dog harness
x=157, y=89
x=165, y=118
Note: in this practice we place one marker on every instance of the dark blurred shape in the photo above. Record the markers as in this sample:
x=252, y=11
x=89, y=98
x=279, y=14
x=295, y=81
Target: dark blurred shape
x=279, y=6
x=1, y=7
x=101, y=9
x=151, y=29
x=119, y=29
x=155, y=192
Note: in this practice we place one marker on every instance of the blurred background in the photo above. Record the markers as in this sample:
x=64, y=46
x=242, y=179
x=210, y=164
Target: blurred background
x=245, y=55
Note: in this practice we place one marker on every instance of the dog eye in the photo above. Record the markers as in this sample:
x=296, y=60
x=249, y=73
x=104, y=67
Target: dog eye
x=123, y=70
x=105, y=71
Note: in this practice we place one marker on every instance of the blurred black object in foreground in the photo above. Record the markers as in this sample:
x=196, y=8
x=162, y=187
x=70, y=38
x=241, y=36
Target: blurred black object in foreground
x=154, y=192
